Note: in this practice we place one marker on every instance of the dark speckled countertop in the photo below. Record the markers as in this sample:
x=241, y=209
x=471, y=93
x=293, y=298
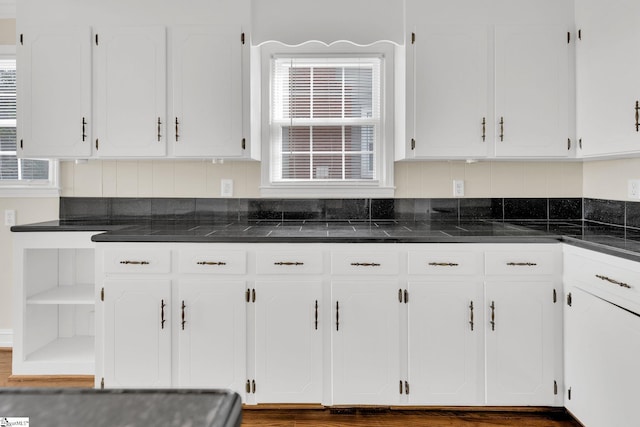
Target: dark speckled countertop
x=595, y=236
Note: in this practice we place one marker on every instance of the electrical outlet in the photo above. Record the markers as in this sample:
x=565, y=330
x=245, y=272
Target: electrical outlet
x=458, y=188
x=226, y=188
x=9, y=217
x=633, y=190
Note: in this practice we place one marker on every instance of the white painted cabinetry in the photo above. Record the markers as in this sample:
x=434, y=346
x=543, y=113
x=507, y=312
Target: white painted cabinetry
x=602, y=337
x=206, y=117
x=137, y=333
x=130, y=91
x=445, y=327
x=53, y=304
x=54, y=92
x=288, y=341
x=523, y=314
x=365, y=342
x=532, y=91
x=487, y=79
x=608, y=88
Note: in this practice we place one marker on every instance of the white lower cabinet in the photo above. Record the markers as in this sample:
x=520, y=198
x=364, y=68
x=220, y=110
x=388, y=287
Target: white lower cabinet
x=288, y=336
x=137, y=333
x=522, y=321
x=365, y=342
x=457, y=325
x=446, y=337
x=602, y=347
x=211, y=333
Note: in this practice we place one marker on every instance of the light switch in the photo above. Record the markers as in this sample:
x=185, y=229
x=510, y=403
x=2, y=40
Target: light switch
x=9, y=217
x=226, y=188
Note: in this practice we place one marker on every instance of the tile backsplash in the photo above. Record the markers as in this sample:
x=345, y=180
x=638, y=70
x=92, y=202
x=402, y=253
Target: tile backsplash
x=214, y=209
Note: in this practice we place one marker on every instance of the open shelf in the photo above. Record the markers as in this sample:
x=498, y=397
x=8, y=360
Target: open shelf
x=79, y=349
x=77, y=294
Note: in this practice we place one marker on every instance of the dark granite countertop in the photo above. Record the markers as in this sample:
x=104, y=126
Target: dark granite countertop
x=603, y=238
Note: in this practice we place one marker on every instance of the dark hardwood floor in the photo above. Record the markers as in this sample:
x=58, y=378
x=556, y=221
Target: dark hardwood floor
x=292, y=416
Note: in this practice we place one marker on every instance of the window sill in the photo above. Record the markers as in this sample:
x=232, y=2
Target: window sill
x=327, y=191
x=19, y=192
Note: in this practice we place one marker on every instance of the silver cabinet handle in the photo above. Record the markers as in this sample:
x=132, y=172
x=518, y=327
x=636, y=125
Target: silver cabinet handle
x=135, y=262
x=615, y=282
x=471, y=315
x=162, y=319
x=365, y=264
x=288, y=263
x=493, y=316
x=521, y=264
x=443, y=264
x=211, y=263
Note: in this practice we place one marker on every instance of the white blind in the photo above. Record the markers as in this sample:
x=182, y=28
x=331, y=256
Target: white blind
x=12, y=168
x=325, y=118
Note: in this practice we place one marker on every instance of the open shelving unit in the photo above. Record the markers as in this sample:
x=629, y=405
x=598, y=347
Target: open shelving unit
x=55, y=299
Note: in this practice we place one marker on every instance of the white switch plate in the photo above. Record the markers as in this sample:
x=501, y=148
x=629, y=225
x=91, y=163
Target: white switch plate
x=633, y=190
x=458, y=188
x=9, y=217
x=226, y=188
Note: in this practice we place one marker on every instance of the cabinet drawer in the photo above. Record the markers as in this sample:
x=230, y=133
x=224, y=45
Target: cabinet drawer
x=523, y=263
x=289, y=262
x=439, y=263
x=137, y=260
x=360, y=263
x=212, y=262
x=605, y=276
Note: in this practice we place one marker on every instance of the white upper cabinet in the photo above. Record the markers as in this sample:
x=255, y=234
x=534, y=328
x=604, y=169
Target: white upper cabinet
x=206, y=117
x=54, y=92
x=450, y=91
x=532, y=91
x=130, y=90
x=608, y=87
x=487, y=79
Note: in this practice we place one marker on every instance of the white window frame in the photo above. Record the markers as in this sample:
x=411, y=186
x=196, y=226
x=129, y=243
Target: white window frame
x=29, y=188
x=382, y=186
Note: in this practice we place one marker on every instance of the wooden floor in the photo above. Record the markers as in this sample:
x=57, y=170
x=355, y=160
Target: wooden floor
x=342, y=417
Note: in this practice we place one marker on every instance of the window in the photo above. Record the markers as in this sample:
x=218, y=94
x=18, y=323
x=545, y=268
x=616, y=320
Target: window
x=17, y=173
x=327, y=121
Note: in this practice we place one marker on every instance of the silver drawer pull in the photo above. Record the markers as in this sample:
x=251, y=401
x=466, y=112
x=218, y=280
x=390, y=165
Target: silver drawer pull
x=521, y=264
x=211, y=263
x=288, y=263
x=615, y=282
x=443, y=264
x=135, y=262
x=365, y=264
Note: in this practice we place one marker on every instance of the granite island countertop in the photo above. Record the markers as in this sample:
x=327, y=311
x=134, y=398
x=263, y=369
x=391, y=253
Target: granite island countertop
x=582, y=233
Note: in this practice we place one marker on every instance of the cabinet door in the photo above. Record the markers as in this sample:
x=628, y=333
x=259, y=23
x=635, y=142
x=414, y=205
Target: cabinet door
x=602, y=344
x=130, y=91
x=288, y=342
x=607, y=76
x=137, y=328
x=521, y=345
x=211, y=334
x=450, y=103
x=446, y=343
x=532, y=91
x=366, y=342
x=54, y=92
x=207, y=91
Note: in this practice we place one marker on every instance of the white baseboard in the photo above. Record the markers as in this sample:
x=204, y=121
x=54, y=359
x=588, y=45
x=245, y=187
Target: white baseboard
x=6, y=338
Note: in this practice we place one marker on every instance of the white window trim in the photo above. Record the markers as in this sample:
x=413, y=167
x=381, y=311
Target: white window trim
x=27, y=188
x=383, y=185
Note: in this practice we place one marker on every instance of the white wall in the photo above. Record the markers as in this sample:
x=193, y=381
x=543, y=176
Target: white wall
x=607, y=179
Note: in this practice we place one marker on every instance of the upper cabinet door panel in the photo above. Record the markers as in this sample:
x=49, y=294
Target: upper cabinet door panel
x=450, y=96
x=130, y=91
x=607, y=76
x=532, y=91
x=54, y=92
x=207, y=91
